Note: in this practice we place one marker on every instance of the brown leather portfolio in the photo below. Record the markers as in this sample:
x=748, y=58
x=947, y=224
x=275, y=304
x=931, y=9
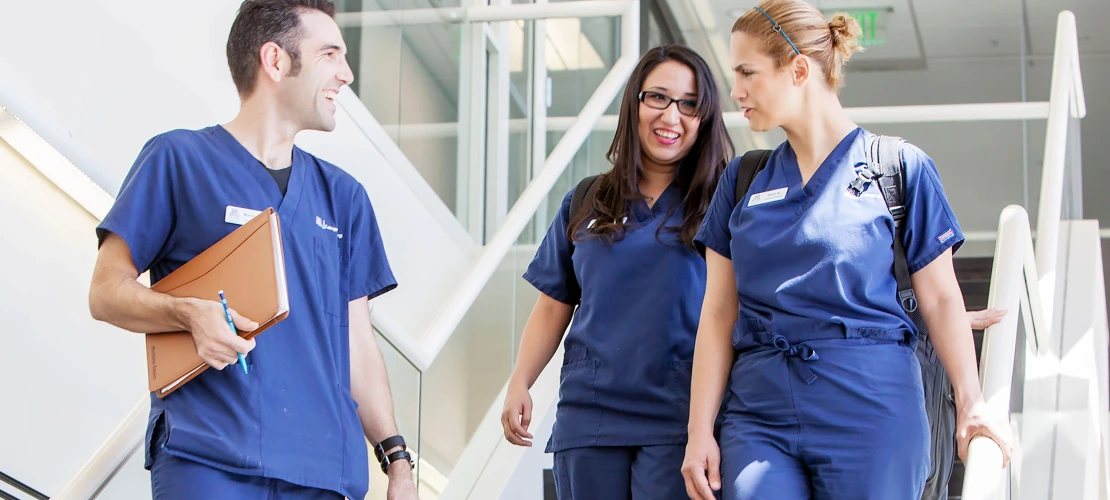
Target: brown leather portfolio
x=249, y=267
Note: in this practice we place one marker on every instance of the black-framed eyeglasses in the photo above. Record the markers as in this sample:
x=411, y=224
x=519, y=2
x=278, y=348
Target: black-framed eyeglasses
x=688, y=107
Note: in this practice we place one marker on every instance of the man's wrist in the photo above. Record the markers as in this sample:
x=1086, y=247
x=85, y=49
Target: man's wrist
x=183, y=310
x=397, y=459
x=400, y=469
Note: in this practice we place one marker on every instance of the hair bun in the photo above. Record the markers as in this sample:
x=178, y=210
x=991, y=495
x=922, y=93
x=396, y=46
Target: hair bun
x=846, y=32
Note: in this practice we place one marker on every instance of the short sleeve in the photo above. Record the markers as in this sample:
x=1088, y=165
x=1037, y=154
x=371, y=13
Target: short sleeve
x=368, y=270
x=930, y=226
x=714, y=232
x=143, y=214
x=551, y=270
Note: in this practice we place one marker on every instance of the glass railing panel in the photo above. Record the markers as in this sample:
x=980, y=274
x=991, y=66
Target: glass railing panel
x=405, y=387
x=471, y=369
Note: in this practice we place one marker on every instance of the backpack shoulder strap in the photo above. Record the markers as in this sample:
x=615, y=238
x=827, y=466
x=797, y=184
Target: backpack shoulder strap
x=750, y=164
x=583, y=191
x=885, y=152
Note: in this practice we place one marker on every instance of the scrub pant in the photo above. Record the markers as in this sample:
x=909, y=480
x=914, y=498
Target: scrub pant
x=620, y=473
x=173, y=478
x=823, y=420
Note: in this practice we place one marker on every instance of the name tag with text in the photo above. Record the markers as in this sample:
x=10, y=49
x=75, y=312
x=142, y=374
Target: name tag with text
x=767, y=197
x=239, y=215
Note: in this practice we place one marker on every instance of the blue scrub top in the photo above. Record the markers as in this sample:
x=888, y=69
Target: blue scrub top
x=626, y=369
x=818, y=263
x=292, y=418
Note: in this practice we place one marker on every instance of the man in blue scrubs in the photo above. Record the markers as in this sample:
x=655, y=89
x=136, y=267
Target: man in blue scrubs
x=294, y=425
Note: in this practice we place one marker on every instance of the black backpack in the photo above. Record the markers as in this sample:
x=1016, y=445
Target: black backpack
x=885, y=167
x=585, y=188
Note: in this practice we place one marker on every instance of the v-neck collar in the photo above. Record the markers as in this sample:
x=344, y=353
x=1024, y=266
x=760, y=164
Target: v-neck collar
x=285, y=206
x=667, y=199
x=824, y=171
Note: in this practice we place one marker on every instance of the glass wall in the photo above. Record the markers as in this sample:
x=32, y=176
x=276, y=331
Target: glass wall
x=462, y=102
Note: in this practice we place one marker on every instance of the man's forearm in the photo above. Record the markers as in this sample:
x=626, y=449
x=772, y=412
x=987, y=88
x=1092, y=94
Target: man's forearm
x=370, y=382
x=375, y=405
x=116, y=297
x=135, y=308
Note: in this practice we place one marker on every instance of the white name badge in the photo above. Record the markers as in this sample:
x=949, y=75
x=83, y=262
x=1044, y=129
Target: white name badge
x=767, y=197
x=239, y=215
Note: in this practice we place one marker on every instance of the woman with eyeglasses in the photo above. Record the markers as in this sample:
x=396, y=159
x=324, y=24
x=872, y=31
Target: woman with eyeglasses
x=801, y=322
x=626, y=260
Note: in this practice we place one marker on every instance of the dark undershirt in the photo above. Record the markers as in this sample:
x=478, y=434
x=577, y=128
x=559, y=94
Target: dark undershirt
x=281, y=177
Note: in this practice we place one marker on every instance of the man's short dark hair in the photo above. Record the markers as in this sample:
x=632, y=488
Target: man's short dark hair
x=262, y=21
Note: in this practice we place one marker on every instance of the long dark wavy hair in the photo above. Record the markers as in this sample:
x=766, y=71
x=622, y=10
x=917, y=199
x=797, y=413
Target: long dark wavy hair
x=696, y=174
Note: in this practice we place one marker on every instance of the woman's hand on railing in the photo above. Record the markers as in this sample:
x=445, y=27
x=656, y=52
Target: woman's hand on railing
x=980, y=320
x=972, y=421
x=517, y=414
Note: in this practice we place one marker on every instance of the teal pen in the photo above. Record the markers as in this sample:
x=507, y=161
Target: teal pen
x=231, y=323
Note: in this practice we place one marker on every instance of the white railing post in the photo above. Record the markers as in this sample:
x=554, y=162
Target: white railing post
x=1064, y=91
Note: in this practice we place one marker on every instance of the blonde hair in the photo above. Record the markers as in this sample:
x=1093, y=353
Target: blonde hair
x=829, y=43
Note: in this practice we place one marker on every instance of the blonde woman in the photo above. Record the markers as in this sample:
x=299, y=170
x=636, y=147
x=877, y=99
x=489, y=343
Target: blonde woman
x=800, y=319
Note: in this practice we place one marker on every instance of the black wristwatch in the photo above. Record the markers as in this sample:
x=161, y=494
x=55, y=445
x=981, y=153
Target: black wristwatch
x=395, y=457
x=388, y=444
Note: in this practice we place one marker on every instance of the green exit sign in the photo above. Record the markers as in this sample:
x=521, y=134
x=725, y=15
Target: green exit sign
x=869, y=21
x=873, y=22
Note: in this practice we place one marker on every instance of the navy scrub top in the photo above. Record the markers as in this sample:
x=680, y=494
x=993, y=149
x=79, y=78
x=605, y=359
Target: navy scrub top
x=625, y=378
x=817, y=262
x=292, y=418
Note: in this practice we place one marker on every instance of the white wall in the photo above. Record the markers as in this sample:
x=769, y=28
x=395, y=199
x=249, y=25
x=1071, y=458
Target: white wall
x=67, y=381
x=114, y=73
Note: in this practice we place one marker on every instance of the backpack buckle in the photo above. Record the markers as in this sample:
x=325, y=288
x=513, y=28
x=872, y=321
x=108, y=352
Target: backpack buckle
x=898, y=211
x=864, y=177
x=908, y=300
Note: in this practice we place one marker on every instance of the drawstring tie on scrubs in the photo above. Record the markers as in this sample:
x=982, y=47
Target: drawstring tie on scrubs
x=797, y=356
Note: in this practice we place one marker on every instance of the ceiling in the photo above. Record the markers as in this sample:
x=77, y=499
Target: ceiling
x=915, y=32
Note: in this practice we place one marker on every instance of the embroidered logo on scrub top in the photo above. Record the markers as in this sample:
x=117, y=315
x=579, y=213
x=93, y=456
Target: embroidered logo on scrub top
x=946, y=236
x=323, y=225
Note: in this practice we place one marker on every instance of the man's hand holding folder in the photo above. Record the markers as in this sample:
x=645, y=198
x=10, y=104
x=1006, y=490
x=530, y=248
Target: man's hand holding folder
x=248, y=264
x=216, y=344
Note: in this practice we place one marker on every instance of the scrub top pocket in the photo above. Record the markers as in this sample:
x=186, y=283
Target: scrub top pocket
x=327, y=273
